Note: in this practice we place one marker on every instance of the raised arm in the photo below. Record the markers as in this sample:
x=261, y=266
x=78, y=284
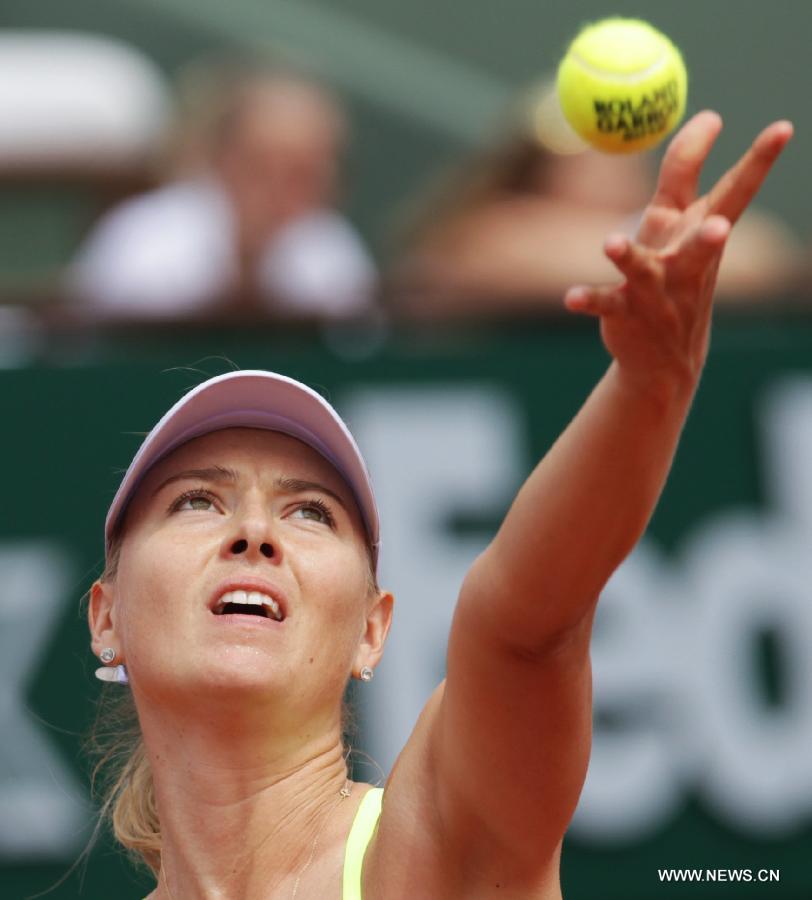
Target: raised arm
x=510, y=731
x=590, y=498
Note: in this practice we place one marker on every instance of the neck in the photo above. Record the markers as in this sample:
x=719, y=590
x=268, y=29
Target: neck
x=240, y=808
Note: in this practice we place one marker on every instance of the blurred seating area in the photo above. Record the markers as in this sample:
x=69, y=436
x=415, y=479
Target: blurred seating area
x=84, y=120
x=79, y=107
x=217, y=200
x=219, y=192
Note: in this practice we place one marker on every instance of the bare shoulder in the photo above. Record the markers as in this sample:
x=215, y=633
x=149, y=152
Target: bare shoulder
x=414, y=853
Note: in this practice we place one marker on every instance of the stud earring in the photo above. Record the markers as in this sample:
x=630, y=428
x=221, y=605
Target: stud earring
x=107, y=655
x=366, y=674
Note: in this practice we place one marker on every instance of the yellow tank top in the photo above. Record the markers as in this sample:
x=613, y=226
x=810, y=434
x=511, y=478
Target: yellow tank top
x=363, y=827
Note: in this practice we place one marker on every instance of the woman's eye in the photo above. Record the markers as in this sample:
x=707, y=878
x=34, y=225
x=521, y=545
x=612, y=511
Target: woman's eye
x=317, y=511
x=196, y=500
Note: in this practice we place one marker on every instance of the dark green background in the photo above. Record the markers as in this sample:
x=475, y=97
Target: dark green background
x=80, y=400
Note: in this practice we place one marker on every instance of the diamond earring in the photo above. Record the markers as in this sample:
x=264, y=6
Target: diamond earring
x=107, y=655
x=366, y=674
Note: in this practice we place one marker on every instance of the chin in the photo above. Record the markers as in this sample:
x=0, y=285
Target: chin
x=229, y=673
x=240, y=670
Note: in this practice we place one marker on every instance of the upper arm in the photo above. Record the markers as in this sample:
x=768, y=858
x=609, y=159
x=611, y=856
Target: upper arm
x=513, y=730
x=485, y=787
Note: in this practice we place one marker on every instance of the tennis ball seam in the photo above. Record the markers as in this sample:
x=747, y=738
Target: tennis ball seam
x=624, y=77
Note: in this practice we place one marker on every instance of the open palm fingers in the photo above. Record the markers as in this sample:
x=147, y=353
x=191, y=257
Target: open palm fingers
x=654, y=282
x=675, y=206
x=691, y=268
x=681, y=167
x=639, y=292
x=731, y=195
x=663, y=289
x=698, y=251
x=598, y=301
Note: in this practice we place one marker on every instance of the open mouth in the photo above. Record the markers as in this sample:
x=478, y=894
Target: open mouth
x=245, y=609
x=248, y=603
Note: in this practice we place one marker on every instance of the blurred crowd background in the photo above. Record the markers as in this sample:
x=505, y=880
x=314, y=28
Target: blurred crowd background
x=383, y=200
x=168, y=161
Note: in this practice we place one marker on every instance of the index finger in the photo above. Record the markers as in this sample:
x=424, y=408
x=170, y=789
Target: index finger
x=731, y=195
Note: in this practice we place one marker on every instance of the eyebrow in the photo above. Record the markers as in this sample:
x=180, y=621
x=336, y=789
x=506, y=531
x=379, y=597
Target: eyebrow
x=222, y=474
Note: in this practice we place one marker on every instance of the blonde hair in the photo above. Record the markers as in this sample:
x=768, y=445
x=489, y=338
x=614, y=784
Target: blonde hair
x=122, y=776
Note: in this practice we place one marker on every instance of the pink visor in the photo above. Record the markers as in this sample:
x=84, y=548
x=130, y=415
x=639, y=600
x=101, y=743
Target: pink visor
x=254, y=398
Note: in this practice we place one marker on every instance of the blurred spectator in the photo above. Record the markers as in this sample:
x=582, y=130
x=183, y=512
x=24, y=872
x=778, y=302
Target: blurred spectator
x=521, y=222
x=248, y=222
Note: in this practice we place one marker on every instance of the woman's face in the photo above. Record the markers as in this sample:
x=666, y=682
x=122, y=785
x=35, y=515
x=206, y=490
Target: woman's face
x=188, y=537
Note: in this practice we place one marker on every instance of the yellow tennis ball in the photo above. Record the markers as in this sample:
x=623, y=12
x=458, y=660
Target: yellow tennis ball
x=622, y=85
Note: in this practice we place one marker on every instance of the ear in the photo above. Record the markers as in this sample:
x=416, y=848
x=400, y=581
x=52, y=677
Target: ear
x=378, y=620
x=101, y=618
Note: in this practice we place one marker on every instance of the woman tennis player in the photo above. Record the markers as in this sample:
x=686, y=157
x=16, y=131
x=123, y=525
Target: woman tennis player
x=239, y=598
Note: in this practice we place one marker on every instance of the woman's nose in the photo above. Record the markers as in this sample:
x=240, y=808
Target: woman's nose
x=242, y=546
x=252, y=535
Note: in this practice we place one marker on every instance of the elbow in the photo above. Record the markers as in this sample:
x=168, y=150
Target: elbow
x=530, y=620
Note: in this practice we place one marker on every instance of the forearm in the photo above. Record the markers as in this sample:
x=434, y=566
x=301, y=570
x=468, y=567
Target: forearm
x=583, y=508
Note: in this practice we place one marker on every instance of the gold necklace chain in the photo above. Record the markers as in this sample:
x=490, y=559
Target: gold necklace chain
x=342, y=795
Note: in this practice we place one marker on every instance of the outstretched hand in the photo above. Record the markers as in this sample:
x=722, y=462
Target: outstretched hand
x=656, y=322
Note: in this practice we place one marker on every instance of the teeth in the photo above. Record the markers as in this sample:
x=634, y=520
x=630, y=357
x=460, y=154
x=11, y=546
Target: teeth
x=265, y=600
x=252, y=598
x=273, y=606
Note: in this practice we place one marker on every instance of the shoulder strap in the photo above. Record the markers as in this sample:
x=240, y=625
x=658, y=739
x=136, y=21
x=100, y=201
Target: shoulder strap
x=363, y=827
